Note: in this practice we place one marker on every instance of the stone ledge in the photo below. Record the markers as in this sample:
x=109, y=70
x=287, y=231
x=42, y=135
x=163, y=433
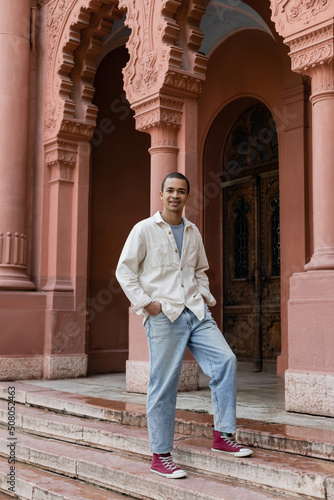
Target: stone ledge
x=19, y=368
x=309, y=392
x=65, y=366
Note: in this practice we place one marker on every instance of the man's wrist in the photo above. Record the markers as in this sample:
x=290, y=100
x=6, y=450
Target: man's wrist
x=153, y=308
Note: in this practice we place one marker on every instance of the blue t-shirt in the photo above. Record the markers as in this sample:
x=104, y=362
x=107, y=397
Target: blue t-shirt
x=178, y=235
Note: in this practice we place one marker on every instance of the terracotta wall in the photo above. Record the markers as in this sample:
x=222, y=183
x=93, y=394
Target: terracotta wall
x=120, y=197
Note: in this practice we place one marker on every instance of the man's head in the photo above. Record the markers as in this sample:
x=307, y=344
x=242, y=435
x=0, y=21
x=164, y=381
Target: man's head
x=175, y=175
x=174, y=193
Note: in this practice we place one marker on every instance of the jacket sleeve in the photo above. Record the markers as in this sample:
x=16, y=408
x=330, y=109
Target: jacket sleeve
x=200, y=275
x=132, y=255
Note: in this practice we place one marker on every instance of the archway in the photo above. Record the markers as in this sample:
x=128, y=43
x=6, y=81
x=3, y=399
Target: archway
x=251, y=238
x=120, y=187
x=241, y=157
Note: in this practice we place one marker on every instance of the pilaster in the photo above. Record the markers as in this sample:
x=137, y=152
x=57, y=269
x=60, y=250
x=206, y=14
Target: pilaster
x=65, y=325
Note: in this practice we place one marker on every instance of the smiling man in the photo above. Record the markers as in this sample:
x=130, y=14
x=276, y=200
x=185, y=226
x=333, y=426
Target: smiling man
x=162, y=272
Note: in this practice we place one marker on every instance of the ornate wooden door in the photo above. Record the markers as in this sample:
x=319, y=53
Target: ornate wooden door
x=251, y=239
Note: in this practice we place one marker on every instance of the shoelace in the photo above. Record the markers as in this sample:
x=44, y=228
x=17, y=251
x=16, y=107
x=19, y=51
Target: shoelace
x=168, y=462
x=230, y=441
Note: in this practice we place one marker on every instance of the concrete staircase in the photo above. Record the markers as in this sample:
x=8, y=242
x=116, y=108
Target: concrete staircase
x=70, y=447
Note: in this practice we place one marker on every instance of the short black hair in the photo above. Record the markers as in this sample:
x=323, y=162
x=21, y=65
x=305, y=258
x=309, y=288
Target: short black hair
x=175, y=175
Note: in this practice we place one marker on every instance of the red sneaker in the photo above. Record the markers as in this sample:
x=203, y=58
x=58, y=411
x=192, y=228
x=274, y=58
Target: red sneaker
x=163, y=464
x=224, y=443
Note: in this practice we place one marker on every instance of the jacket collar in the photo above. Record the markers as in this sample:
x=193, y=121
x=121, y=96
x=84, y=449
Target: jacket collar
x=158, y=219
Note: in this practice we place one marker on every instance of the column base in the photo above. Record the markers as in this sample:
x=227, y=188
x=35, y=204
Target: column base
x=16, y=283
x=65, y=366
x=309, y=392
x=310, y=377
x=322, y=259
x=138, y=374
x=21, y=367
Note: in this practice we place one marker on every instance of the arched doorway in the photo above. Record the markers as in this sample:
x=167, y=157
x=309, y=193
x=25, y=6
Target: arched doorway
x=242, y=229
x=251, y=238
x=120, y=188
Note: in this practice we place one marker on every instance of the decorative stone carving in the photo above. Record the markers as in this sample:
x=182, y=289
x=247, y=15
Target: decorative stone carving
x=159, y=109
x=184, y=84
x=74, y=38
x=163, y=48
x=149, y=55
x=307, y=26
x=160, y=116
x=13, y=249
x=293, y=11
x=77, y=129
x=312, y=49
x=61, y=158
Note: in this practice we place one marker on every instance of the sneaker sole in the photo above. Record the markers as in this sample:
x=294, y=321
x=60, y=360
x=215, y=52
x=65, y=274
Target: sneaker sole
x=175, y=475
x=239, y=454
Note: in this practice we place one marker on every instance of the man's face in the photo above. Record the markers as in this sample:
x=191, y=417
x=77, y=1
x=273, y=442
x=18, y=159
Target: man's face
x=174, y=195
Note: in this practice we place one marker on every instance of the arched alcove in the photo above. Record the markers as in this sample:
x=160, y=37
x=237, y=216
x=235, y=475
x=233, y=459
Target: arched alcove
x=120, y=187
x=241, y=184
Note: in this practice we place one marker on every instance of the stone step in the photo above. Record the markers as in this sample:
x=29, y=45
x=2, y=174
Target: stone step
x=299, y=475
x=37, y=484
x=130, y=475
x=304, y=441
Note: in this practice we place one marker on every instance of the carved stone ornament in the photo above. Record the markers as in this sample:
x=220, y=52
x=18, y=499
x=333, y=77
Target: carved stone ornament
x=157, y=110
x=292, y=12
x=13, y=249
x=312, y=49
x=160, y=116
x=61, y=158
x=313, y=55
x=74, y=39
x=161, y=33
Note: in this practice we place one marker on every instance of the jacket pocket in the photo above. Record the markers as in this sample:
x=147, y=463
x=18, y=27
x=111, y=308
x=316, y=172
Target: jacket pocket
x=160, y=255
x=192, y=255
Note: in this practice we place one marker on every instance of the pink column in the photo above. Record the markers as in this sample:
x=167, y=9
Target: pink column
x=14, y=90
x=323, y=161
x=163, y=162
x=161, y=118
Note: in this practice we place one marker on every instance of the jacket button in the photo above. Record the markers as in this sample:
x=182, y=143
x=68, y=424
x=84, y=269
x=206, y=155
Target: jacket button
x=182, y=285
x=169, y=232
x=175, y=249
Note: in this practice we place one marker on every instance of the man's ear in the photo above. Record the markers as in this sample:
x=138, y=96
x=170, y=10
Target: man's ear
x=161, y=195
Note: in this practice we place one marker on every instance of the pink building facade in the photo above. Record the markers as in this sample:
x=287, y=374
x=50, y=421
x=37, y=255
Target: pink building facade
x=100, y=100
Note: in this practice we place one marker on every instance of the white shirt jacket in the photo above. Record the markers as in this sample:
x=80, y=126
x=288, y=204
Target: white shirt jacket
x=150, y=269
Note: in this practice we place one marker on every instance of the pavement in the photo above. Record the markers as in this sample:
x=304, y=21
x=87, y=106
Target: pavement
x=260, y=396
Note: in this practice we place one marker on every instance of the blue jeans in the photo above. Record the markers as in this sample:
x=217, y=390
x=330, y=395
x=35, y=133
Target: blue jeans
x=167, y=342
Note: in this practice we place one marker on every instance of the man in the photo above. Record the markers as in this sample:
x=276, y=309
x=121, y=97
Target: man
x=162, y=272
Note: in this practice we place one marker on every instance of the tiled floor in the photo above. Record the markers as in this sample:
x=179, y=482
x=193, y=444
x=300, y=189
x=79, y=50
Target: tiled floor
x=260, y=396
